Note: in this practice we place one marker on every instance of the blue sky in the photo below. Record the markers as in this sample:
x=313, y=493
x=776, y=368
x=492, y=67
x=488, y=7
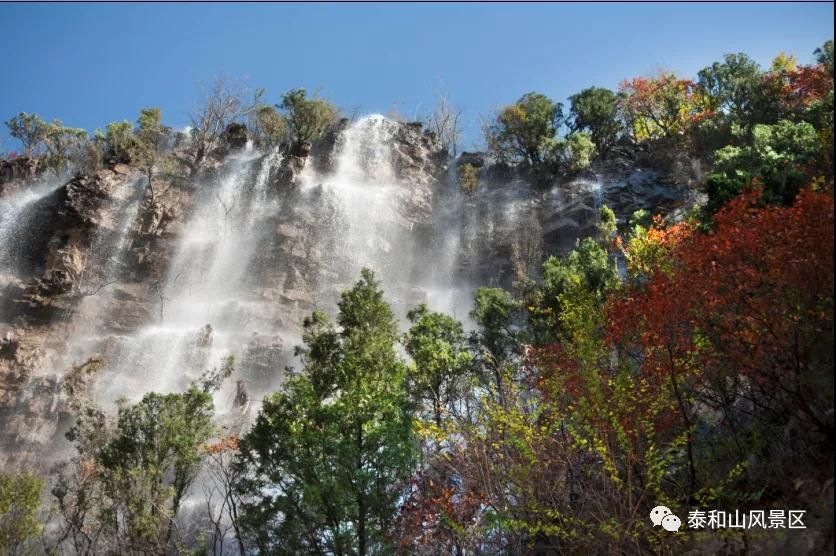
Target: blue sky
x=90, y=64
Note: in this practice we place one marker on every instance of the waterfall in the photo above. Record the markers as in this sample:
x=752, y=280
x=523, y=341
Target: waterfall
x=248, y=259
x=379, y=220
x=205, y=307
x=221, y=294
x=365, y=227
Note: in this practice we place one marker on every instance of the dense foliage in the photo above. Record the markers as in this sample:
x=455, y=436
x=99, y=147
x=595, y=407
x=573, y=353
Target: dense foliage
x=306, y=118
x=521, y=128
x=595, y=110
x=20, y=497
x=569, y=440
x=768, y=128
x=56, y=143
x=328, y=453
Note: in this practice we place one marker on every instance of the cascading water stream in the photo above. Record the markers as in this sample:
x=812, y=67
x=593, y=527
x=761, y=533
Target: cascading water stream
x=15, y=215
x=364, y=193
x=373, y=222
x=105, y=256
x=204, y=309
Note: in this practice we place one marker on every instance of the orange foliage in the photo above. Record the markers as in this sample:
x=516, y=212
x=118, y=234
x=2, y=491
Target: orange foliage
x=663, y=106
x=223, y=444
x=753, y=298
x=801, y=87
x=434, y=514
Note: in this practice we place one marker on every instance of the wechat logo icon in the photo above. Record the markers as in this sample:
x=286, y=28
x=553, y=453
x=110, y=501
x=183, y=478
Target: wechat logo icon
x=662, y=515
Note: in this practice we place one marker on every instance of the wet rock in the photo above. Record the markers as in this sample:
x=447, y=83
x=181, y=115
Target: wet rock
x=196, y=356
x=235, y=136
x=125, y=312
x=323, y=150
x=242, y=397
x=263, y=358
x=417, y=162
x=20, y=358
x=9, y=346
x=65, y=267
x=58, y=244
x=204, y=337
x=499, y=173
x=29, y=417
x=302, y=150
x=283, y=177
x=85, y=196
x=500, y=233
x=475, y=159
x=570, y=210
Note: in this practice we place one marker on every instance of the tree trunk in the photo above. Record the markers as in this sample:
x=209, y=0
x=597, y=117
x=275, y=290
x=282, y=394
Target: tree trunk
x=361, y=502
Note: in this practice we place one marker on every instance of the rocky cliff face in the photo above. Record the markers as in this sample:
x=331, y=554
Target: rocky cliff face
x=156, y=282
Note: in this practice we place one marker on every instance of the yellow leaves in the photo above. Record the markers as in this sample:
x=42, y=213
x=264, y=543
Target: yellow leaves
x=514, y=113
x=427, y=430
x=468, y=177
x=650, y=249
x=784, y=63
x=818, y=184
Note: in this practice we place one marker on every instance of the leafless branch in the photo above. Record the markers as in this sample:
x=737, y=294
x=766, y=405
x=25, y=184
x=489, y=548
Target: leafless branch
x=219, y=106
x=444, y=122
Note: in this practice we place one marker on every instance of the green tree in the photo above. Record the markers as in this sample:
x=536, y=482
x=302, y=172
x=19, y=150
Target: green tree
x=119, y=140
x=60, y=145
x=153, y=460
x=161, y=435
x=776, y=159
x=307, y=118
x=571, y=154
x=496, y=313
x=147, y=148
x=30, y=130
x=20, y=502
x=441, y=360
x=327, y=454
x=64, y=145
x=150, y=120
x=129, y=479
x=824, y=55
x=468, y=177
x=271, y=127
x=150, y=129
x=595, y=110
x=734, y=88
x=496, y=343
x=520, y=129
x=586, y=270
x=607, y=224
